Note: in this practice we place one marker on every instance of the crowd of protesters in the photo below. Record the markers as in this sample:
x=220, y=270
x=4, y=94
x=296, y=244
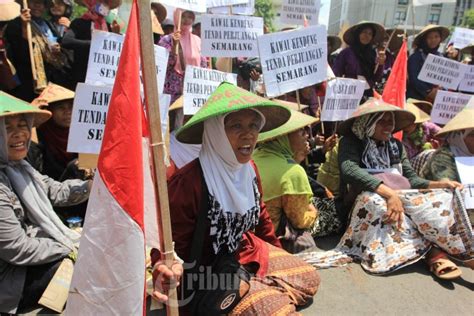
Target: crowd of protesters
x=269, y=177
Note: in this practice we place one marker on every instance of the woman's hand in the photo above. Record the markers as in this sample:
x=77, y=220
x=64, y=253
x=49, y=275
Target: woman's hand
x=25, y=16
x=64, y=21
x=445, y=184
x=115, y=27
x=330, y=143
x=395, y=210
x=165, y=279
x=381, y=57
x=176, y=36
x=254, y=75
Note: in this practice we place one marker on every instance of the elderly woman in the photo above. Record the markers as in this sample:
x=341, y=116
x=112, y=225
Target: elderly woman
x=218, y=199
x=427, y=42
x=360, y=60
x=33, y=240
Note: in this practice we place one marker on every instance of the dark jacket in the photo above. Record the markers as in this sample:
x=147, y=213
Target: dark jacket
x=416, y=88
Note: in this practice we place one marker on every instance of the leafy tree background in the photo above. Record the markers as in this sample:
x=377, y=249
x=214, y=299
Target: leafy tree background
x=266, y=10
x=468, y=20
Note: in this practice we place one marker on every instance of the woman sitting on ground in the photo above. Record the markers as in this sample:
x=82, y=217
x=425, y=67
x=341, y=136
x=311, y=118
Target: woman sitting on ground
x=390, y=229
x=237, y=222
x=33, y=240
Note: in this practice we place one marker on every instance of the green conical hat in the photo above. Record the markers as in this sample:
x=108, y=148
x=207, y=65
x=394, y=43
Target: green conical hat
x=462, y=120
x=229, y=98
x=9, y=105
x=297, y=121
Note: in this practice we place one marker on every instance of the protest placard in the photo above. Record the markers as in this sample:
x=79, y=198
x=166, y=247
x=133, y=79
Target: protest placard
x=104, y=58
x=467, y=84
x=240, y=9
x=230, y=35
x=442, y=71
x=342, y=98
x=191, y=5
x=199, y=84
x=295, y=11
x=465, y=167
x=293, y=59
x=446, y=105
x=222, y=3
x=89, y=115
x=462, y=37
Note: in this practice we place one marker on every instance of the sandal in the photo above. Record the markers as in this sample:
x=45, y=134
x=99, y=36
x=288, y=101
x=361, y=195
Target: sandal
x=444, y=268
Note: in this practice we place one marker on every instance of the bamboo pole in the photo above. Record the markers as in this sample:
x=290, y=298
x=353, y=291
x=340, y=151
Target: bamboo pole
x=385, y=47
x=157, y=144
x=30, y=45
x=179, y=29
x=320, y=109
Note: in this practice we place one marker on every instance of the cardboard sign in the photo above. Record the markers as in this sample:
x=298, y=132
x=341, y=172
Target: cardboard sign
x=442, y=71
x=104, y=58
x=191, y=5
x=89, y=115
x=446, y=105
x=240, y=9
x=465, y=166
x=342, y=98
x=467, y=84
x=293, y=60
x=462, y=37
x=223, y=3
x=199, y=84
x=296, y=11
x=57, y=291
x=230, y=35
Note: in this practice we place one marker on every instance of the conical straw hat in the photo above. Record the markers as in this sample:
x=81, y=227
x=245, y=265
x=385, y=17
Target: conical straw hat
x=350, y=33
x=9, y=10
x=420, y=116
x=444, y=31
x=178, y=104
x=297, y=121
x=9, y=105
x=462, y=120
x=53, y=93
x=291, y=105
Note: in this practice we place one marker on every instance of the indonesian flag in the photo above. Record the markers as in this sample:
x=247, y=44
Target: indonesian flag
x=109, y=276
x=396, y=86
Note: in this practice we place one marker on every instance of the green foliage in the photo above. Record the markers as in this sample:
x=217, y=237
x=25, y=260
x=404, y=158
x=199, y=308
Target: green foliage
x=265, y=9
x=77, y=11
x=468, y=19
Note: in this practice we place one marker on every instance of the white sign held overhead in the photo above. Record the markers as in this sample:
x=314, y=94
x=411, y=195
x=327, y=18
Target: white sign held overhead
x=446, y=105
x=230, y=35
x=442, y=71
x=191, y=5
x=342, y=98
x=467, y=84
x=223, y=3
x=199, y=84
x=240, y=9
x=296, y=11
x=293, y=60
x=462, y=37
x=89, y=115
x=104, y=58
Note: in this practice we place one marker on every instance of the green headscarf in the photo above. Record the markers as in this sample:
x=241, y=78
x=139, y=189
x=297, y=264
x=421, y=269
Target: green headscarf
x=279, y=172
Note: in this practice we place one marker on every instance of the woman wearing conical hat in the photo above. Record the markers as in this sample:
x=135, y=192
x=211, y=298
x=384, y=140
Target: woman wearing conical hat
x=237, y=224
x=33, y=240
x=390, y=228
x=426, y=42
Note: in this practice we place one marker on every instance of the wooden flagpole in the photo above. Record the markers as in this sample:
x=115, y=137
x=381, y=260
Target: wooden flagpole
x=157, y=144
x=179, y=29
x=385, y=47
x=322, y=123
x=30, y=45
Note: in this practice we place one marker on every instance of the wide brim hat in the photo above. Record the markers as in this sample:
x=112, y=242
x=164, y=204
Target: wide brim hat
x=291, y=105
x=444, y=31
x=403, y=118
x=297, y=121
x=229, y=98
x=161, y=12
x=9, y=106
x=178, y=104
x=155, y=24
x=335, y=43
x=462, y=120
x=420, y=116
x=111, y=3
x=469, y=49
x=397, y=39
x=9, y=10
x=350, y=34
x=51, y=94
x=422, y=104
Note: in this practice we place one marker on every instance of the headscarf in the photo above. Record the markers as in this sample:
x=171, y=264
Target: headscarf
x=376, y=155
x=365, y=54
x=28, y=186
x=280, y=173
x=457, y=145
x=91, y=14
x=182, y=153
x=231, y=185
x=190, y=43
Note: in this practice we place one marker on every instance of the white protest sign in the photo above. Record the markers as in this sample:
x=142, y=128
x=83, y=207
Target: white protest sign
x=222, y=3
x=446, y=105
x=230, y=35
x=295, y=11
x=342, y=98
x=240, y=9
x=467, y=84
x=89, y=115
x=191, y=5
x=293, y=60
x=465, y=166
x=462, y=37
x=104, y=58
x=442, y=71
x=199, y=84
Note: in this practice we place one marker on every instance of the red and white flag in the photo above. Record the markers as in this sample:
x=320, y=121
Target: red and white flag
x=109, y=275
